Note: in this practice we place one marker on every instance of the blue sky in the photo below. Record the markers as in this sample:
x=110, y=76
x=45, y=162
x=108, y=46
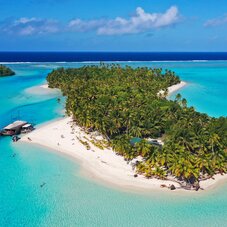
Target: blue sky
x=126, y=25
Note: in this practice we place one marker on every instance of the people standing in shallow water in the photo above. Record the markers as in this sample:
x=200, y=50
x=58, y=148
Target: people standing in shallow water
x=42, y=185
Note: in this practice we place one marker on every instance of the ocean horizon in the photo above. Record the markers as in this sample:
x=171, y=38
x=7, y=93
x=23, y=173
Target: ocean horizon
x=86, y=56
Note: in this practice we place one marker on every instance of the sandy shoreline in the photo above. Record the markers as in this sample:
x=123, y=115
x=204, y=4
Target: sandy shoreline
x=41, y=90
x=44, y=86
x=174, y=88
x=102, y=165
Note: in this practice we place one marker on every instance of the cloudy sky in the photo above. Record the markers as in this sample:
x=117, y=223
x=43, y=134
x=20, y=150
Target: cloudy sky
x=126, y=25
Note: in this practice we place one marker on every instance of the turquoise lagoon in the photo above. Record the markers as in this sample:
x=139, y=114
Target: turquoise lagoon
x=69, y=199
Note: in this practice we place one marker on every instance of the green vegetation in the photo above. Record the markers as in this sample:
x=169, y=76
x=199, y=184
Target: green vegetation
x=123, y=103
x=85, y=143
x=5, y=71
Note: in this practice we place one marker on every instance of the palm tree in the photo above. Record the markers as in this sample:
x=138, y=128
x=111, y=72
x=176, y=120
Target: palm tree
x=178, y=98
x=143, y=148
x=184, y=103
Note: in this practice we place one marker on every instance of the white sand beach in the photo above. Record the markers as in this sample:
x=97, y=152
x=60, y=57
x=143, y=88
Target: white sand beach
x=102, y=165
x=174, y=88
x=45, y=86
x=41, y=90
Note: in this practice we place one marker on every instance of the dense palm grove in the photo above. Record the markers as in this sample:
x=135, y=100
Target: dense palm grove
x=123, y=103
x=5, y=71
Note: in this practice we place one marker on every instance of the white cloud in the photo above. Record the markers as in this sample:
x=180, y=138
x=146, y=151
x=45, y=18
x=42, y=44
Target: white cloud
x=216, y=21
x=84, y=26
x=140, y=22
x=30, y=26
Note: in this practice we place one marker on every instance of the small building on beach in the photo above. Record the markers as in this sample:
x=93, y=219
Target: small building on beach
x=27, y=128
x=155, y=142
x=13, y=128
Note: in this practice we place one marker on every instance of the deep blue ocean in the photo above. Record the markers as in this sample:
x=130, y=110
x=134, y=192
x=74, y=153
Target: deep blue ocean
x=109, y=56
x=70, y=199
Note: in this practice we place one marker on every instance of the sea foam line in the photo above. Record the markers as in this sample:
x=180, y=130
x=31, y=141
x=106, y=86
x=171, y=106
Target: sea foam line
x=117, y=61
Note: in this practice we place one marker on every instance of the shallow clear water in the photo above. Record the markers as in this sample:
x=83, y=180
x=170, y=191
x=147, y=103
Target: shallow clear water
x=68, y=199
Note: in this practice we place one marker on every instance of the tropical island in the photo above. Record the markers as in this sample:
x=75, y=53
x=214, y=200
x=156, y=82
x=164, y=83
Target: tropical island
x=161, y=138
x=124, y=104
x=6, y=71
